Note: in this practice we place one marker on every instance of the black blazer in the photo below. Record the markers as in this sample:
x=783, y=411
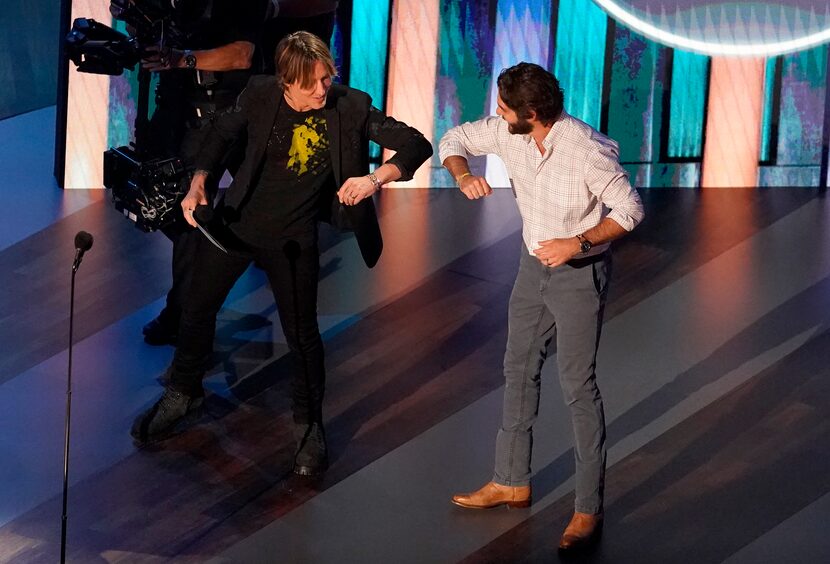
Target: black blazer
x=351, y=121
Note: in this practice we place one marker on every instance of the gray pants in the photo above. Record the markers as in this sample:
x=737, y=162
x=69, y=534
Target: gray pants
x=566, y=303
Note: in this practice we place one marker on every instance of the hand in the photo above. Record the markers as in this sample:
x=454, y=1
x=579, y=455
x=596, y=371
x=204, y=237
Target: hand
x=156, y=58
x=474, y=187
x=196, y=196
x=355, y=189
x=555, y=252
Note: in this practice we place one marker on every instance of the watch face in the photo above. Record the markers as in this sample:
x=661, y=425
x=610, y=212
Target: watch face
x=585, y=245
x=190, y=61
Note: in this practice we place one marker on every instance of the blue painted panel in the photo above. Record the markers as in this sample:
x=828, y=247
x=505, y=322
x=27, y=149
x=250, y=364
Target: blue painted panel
x=800, y=120
x=464, y=71
x=522, y=34
x=523, y=30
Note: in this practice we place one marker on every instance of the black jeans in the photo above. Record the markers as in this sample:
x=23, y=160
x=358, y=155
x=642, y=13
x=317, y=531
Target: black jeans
x=293, y=271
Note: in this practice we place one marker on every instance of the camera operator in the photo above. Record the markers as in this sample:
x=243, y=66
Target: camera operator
x=198, y=80
x=313, y=16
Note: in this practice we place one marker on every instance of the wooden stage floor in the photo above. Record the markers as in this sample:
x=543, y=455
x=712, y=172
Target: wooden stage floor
x=713, y=365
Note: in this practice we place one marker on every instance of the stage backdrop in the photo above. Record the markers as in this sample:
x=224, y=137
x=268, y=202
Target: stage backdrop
x=697, y=93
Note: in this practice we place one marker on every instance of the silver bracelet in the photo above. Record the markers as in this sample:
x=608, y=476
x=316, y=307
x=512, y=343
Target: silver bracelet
x=374, y=180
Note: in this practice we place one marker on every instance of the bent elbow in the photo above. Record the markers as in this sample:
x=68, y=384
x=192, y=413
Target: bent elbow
x=427, y=149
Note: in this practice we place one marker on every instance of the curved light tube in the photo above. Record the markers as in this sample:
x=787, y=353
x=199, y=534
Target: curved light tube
x=711, y=48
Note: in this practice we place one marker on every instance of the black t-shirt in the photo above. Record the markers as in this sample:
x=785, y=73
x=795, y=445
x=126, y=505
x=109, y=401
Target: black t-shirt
x=221, y=22
x=286, y=200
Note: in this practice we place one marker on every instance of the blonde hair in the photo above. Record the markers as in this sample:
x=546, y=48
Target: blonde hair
x=296, y=56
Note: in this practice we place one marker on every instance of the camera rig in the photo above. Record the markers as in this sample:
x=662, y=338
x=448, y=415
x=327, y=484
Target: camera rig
x=146, y=190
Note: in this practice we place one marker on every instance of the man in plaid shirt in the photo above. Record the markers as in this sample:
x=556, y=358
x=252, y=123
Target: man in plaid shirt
x=574, y=199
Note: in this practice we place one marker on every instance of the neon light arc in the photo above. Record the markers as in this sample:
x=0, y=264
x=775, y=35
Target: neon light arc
x=711, y=48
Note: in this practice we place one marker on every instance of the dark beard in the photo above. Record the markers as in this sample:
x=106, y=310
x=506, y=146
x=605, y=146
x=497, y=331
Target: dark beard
x=521, y=127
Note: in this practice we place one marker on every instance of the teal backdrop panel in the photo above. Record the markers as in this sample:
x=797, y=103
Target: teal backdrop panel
x=370, y=48
x=580, y=58
x=370, y=51
x=768, y=110
x=687, y=107
x=634, y=91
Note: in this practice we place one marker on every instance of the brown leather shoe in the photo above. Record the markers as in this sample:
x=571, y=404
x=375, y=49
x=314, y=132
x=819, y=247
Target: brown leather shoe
x=582, y=532
x=493, y=495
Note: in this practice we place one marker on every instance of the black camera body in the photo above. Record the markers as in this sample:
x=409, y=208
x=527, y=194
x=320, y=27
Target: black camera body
x=146, y=191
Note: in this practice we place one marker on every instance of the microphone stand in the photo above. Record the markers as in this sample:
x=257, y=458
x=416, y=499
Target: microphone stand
x=68, y=414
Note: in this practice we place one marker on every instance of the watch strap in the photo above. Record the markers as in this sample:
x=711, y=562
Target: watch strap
x=189, y=59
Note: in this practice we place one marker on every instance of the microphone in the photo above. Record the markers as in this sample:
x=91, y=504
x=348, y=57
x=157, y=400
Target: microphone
x=203, y=214
x=83, y=242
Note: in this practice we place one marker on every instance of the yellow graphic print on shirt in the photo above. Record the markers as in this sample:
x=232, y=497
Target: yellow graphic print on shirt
x=309, y=145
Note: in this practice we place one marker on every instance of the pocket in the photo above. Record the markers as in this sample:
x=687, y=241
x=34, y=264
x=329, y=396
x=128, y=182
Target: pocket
x=601, y=271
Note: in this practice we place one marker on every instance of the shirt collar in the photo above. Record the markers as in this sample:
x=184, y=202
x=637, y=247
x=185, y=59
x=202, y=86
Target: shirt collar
x=555, y=134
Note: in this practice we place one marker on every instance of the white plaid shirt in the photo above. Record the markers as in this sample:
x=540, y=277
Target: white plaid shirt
x=562, y=193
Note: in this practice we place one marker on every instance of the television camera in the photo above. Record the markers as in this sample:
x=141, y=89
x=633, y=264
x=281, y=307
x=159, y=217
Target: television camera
x=146, y=190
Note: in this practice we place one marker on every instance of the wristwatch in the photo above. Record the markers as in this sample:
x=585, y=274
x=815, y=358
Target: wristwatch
x=189, y=59
x=584, y=244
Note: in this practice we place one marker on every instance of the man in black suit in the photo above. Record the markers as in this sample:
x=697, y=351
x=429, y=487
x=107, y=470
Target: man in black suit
x=305, y=138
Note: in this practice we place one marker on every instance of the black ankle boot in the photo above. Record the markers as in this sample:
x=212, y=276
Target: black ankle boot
x=173, y=410
x=311, y=458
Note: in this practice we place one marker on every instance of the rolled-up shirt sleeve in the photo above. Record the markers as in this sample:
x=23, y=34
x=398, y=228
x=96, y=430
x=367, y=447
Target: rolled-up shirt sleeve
x=471, y=139
x=608, y=181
